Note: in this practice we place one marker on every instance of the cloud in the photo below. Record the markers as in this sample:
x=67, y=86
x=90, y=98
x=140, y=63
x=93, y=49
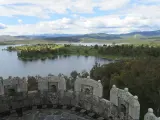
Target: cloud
x=83, y=6
x=143, y=15
x=148, y=11
x=2, y=26
x=82, y=16
x=31, y=10
x=107, y=24
x=147, y=1
x=44, y=8
x=112, y=4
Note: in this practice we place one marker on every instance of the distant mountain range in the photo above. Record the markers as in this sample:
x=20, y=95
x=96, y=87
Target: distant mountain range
x=45, y=36
x=76, y=38
x=144, y=33
x=96, y=35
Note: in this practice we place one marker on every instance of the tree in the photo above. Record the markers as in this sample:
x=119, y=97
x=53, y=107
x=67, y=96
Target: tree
x=74, y=74
x=96, y=46
x=84, y=74
x=86, y=51
x=141, y=76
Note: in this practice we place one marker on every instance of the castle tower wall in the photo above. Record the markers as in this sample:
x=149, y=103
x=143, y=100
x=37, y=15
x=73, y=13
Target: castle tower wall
x=150, y=115
x=127, y=104
x=94, y=87
x=46, y=83
x=1, y=87
x=121, y=102
x=114, y=95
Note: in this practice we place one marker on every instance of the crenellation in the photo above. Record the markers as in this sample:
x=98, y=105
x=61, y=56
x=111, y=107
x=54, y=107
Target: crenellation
x=126, y=89
x=150, y=115
x=1, y=86
x=89, y=85
x=88, y=77
x=87, y=95
x=52, y=83
x=125, y=102
x=14, y=84
x=114, y=94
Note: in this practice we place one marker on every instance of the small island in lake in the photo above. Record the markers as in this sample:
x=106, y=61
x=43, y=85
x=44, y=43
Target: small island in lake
x=50, y=51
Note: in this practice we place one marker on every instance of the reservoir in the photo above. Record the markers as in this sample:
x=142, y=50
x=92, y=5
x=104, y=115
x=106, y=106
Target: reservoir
x=10, y=65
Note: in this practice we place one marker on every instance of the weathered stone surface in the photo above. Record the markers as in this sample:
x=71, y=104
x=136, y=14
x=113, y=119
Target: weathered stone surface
x=73, y=108
x=123, y=99
x=100, y=118
x=150, y=115
x=86, y=96
x=89, y=86
x=51, y=83
x=47, y=115
x=64, y=107
x=83, y=111
x=91, y=114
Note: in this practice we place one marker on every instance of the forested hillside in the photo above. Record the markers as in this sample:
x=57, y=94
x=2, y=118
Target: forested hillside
x=142, y=77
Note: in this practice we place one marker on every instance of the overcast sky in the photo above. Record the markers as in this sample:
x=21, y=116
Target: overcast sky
x=78, y=16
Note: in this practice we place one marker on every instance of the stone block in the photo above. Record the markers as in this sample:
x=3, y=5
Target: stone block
x=73, y=109
x=100, y=118
x=55, y=106
x=49, y=106
x=44, y=106
x=91, y=114
x=83, y=111
x=64, y=107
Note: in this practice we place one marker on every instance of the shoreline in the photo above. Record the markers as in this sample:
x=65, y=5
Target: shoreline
x=50, y=51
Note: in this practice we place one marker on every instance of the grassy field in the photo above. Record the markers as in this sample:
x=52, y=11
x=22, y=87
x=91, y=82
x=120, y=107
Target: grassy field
x=15, y=42
x=135, y=41
x=128, y=40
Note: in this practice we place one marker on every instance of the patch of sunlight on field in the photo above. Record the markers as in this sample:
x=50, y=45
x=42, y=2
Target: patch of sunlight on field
x=135, y=41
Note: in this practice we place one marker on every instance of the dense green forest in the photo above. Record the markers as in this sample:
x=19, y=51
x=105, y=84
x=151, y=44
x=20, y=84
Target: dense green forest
x=142, y=77
x=47, y=51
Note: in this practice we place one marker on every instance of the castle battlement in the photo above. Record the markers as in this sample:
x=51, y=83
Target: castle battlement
x=124, y=99
x=87, y=95
x=150, y=115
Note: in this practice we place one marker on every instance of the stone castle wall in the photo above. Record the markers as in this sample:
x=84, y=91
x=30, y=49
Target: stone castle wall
x=87, y=95
x=125, y=101
x=150, y=115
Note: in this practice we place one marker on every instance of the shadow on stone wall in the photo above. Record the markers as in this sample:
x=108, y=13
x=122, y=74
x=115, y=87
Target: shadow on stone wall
x=86, y=97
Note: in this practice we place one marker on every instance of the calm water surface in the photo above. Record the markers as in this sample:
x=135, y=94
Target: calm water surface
x=10, y=65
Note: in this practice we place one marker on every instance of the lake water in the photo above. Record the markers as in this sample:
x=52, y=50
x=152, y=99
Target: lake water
x=10, y=65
